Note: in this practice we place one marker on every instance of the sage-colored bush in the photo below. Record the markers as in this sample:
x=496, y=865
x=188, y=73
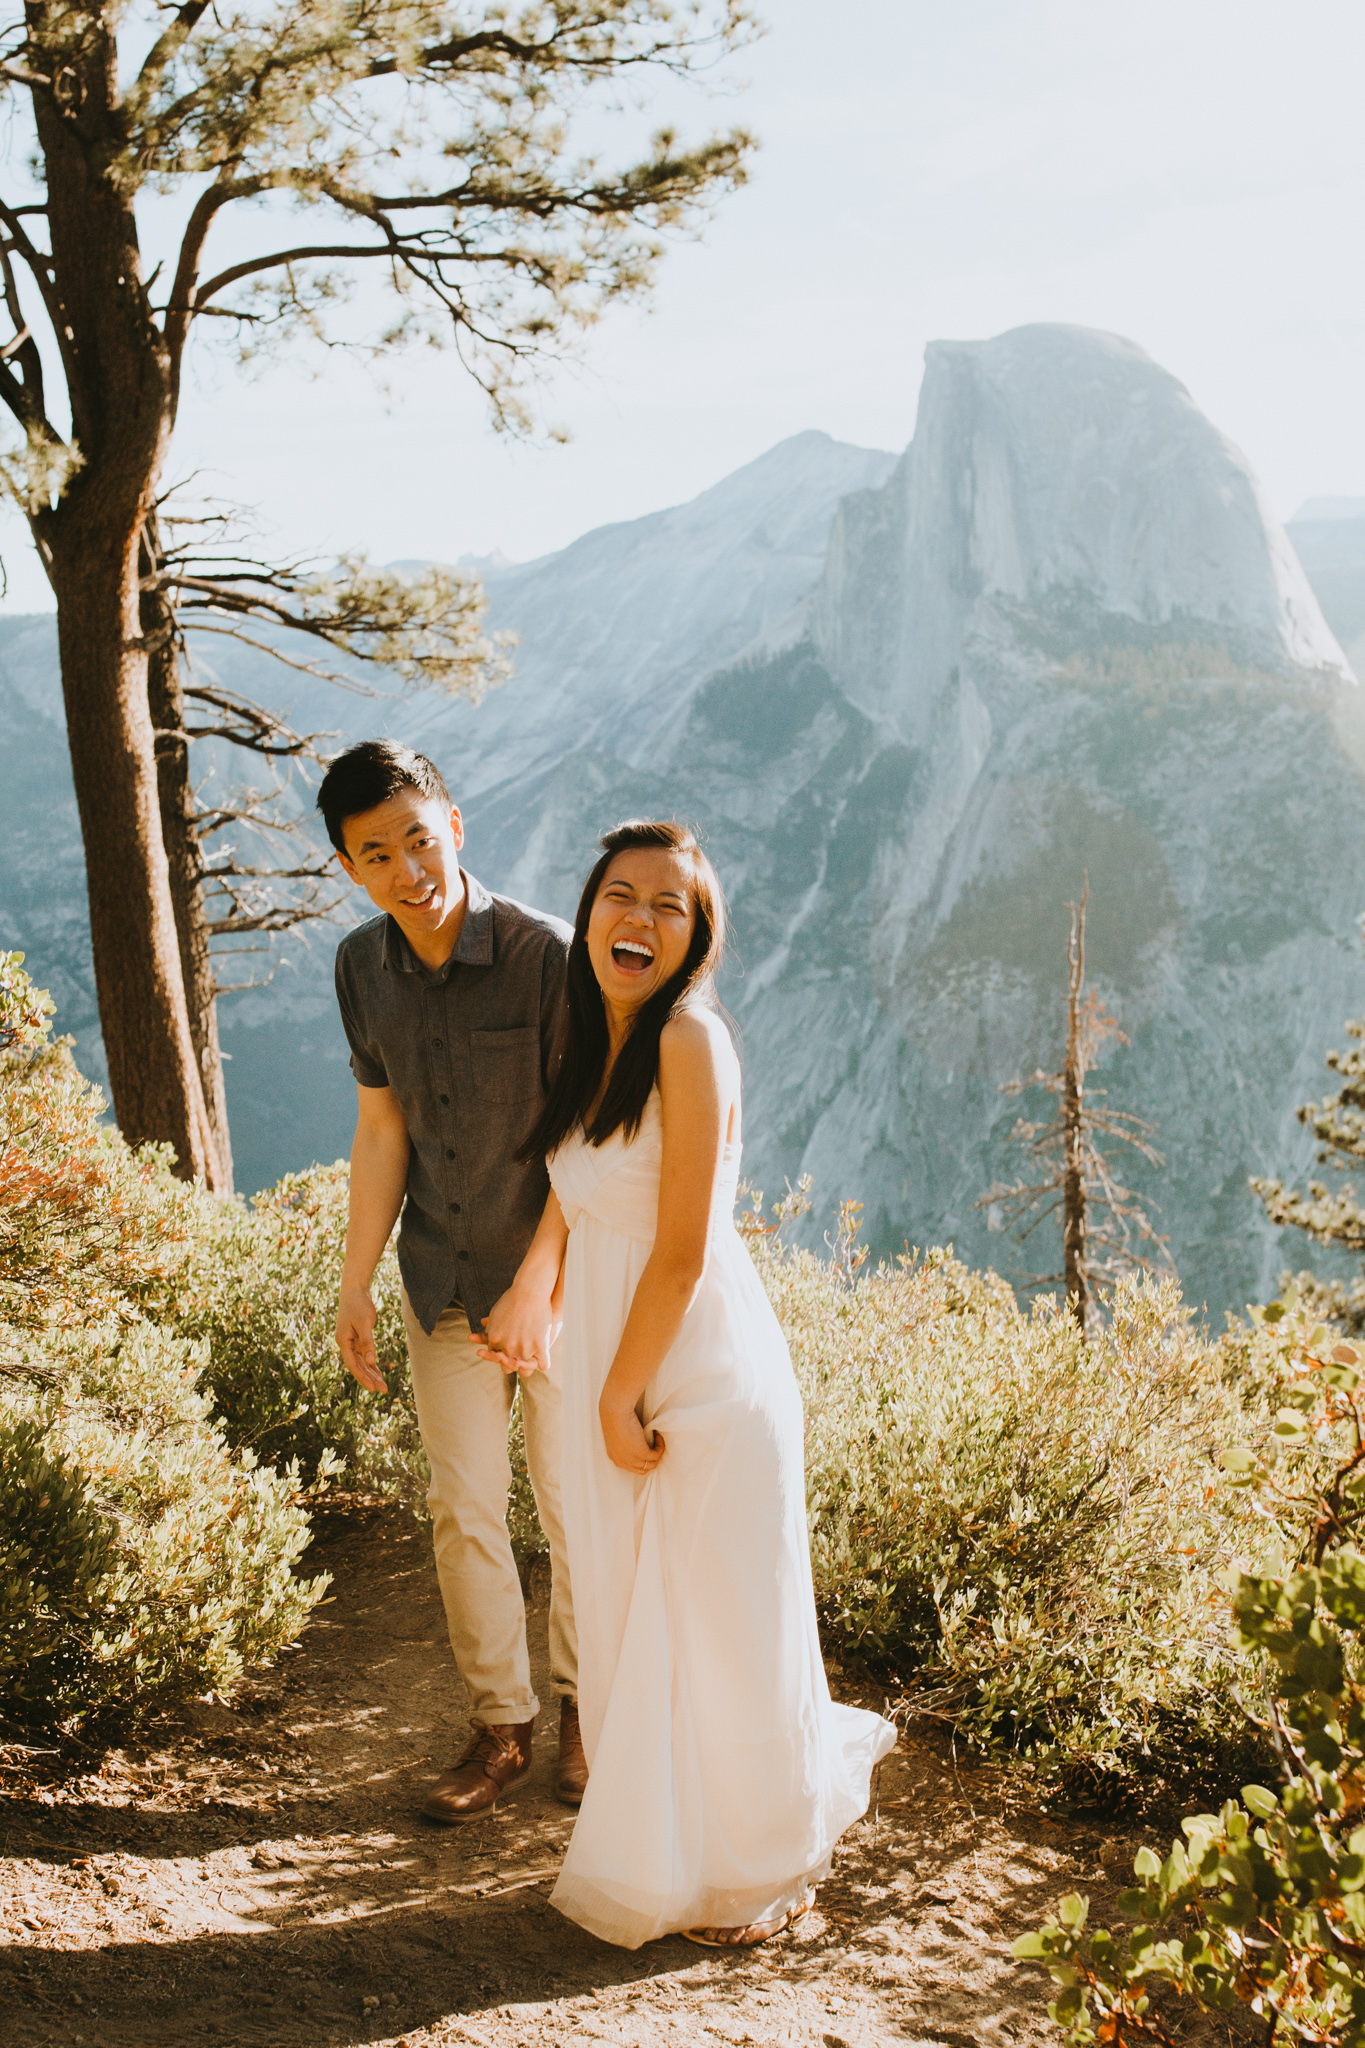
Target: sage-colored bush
x=1025, y=1531
x=1028, y=1531
x=1262, y=1904
x=89, y=1227
x=141, y=1558
x=260, y=1290
x=57, y=1554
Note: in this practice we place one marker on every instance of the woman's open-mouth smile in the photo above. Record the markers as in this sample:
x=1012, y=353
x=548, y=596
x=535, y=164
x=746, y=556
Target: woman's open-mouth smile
x=631, y=956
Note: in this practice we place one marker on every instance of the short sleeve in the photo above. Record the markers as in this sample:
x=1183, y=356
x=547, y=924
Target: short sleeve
x=366, y=1064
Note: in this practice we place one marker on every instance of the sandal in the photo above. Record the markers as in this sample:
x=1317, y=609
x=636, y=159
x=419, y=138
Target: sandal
x=749, y=1937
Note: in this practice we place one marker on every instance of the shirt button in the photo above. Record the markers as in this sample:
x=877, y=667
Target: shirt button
x=449, y=1153
x=445, y=1098
x=464, y=1255
x=438, y=1043
x=454, y=1208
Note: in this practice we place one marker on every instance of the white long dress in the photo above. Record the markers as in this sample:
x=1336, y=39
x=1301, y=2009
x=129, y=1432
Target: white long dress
x=722, y=1773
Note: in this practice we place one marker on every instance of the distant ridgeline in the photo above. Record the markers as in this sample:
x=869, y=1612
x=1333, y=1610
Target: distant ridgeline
x=910, y=703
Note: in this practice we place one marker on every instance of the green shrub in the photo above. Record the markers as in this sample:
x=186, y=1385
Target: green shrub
x=1263, y=1903
x=57, y=1554
x=140, y=1557
x=1027, y=1530
x=261, y=1292
x=140, y=1560
x=88, y=1226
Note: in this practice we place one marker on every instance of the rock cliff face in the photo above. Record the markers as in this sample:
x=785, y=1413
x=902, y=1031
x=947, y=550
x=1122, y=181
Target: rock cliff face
x=1053, y=468
x=1063, y=637
x=911, y=704
x=1328, y=535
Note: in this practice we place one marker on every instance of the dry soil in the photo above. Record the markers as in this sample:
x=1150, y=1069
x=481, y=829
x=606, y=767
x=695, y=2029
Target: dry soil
x=261, y=1875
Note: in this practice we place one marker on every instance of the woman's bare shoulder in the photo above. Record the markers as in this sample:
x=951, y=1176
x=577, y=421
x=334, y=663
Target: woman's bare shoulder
x=697, y=1034
x=695, y=1025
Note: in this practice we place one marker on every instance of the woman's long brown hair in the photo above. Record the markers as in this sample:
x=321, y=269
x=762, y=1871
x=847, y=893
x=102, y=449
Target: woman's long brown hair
x=578, y=1075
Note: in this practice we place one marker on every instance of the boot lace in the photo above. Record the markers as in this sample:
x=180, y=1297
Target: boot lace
x=488, y=1746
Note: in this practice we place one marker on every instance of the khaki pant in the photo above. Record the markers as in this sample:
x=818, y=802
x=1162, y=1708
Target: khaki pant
x=463, y=1408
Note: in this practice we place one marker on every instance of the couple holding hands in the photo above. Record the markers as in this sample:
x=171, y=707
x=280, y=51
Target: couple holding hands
x=556, y=1115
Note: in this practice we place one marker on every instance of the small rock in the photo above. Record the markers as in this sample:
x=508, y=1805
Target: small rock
x=1113, y=1855
x=265, y=1860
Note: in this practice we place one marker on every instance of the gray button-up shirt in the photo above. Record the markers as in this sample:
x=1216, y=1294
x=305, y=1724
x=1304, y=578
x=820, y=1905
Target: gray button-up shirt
x=467, y=1051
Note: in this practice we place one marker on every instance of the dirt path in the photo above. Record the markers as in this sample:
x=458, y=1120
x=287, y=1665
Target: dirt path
x=260, y=1877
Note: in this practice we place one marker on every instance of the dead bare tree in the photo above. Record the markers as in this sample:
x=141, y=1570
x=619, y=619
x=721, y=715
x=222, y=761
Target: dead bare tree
x=1104, y=1223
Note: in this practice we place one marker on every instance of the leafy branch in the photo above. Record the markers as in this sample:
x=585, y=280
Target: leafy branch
x=1262, y=1905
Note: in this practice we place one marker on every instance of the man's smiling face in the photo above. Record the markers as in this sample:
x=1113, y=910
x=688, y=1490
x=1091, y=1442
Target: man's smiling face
x=405, y=854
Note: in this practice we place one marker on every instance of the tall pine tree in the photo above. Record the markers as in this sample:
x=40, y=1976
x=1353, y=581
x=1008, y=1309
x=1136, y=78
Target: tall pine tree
x=427, y=145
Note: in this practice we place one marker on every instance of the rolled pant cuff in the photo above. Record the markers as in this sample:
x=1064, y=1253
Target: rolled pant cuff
x=515, y=1716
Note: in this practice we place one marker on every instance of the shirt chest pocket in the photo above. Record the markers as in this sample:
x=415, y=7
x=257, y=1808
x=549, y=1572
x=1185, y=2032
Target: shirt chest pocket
x=506, y=1064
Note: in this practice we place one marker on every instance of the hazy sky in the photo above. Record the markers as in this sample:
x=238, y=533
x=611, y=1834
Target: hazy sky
x=1189, y=175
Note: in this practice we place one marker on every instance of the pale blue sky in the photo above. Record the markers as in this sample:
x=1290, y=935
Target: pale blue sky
x=1188, y=173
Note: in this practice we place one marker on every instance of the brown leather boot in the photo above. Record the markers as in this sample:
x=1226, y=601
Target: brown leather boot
x=572, y=1781
x=495, y=1759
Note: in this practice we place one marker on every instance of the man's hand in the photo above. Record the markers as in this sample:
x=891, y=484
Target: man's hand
x=519, y=1330
x=628, y=1445
x=356, y=1318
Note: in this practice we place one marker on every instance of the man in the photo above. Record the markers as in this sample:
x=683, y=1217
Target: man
x=451, y=999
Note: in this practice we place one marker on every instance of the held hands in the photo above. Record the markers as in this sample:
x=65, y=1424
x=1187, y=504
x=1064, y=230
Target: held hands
x=519, y=1331
x=629, y=1446
x=356, y=1318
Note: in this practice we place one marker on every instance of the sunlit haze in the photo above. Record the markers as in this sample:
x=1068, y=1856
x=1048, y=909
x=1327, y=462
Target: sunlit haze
x=1189, y=177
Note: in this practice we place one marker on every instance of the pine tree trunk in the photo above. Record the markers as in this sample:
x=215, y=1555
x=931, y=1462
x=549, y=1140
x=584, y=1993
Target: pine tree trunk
x=121, y=381
x=185, y=865
x=1075, y=1266
x=154, y=1073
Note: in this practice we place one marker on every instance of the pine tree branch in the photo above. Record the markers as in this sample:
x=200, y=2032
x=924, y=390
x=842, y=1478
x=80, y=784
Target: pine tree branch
x=255, y=728
x=182, y=305
x=39, y=267
x=284, y=259
x=161, y=56
x=303, y=668
x=274, y=920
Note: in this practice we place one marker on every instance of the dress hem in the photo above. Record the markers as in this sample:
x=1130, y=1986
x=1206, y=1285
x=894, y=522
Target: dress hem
x=592, y=1906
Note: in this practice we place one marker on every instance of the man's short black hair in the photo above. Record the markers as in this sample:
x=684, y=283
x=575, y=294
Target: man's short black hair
x=370, y=774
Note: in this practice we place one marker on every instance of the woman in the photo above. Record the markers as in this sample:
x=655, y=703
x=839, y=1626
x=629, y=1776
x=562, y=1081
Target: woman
x=721, y=1773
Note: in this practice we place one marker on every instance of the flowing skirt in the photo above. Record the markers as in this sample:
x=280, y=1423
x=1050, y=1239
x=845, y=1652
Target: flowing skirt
x=722, y=1773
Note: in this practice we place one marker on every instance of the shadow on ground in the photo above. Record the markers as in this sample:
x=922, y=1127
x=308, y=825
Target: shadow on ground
x=262, y=1876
